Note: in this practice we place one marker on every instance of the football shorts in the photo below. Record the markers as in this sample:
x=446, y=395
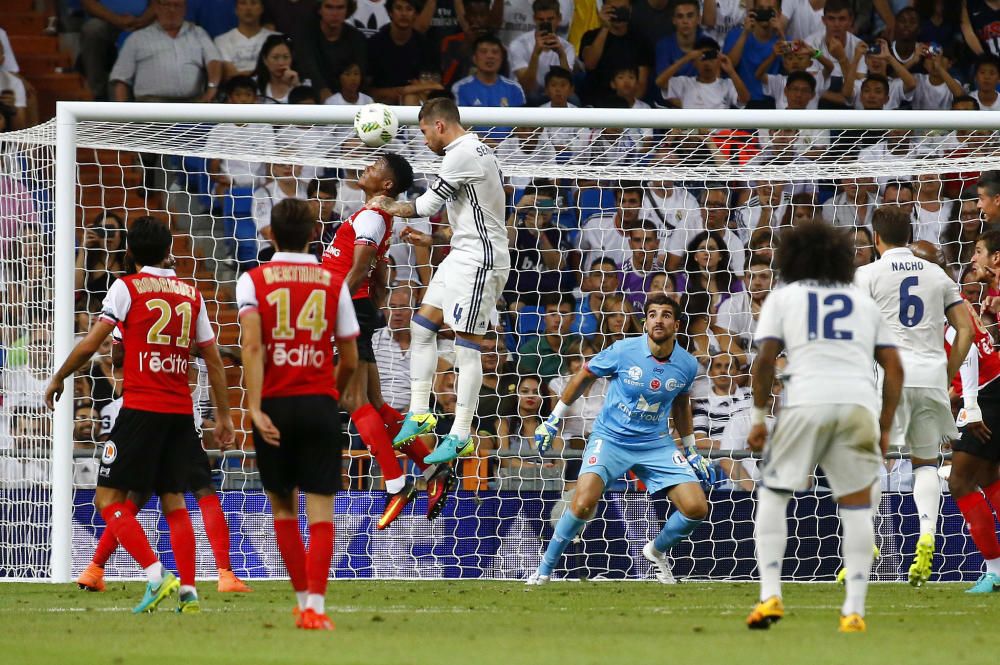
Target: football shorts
x=466, y=293
x=149, y=452
x=309, y=457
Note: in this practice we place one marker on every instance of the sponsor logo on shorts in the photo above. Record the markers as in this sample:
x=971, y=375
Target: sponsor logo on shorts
x=592, y=459
x=655, y=384
x=110, y=453
x=635, y=373
x=679, y=459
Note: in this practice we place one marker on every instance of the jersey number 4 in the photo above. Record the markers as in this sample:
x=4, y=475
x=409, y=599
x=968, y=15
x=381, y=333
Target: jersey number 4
x=312, y=315
x=835, y=306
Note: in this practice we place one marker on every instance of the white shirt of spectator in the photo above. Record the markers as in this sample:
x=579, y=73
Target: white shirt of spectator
x=748, y=216
x=597, y=146
x=228, y=137
x=897, y=95
x=402, y=254
x=10, y=82
x=350, y=199
x=930, y=224
x=337, y=99
x=347, y=321
x=736, y=317
x=930, y=97
x=817, y=40
x=920, y=345
x=562, y=139
x=170, y=66
x=520, y=50
x=729, y=14
x=265, y=198
x=712, y=411
x=369, y=17
x=601, y=239
x=678, y=209
x=995, y=106
x=393, y=369
x=578, y=421
x=805, y=140
x=774, y=86
x=826, y=371
x=518, y=18
x=242, y=51
x=839, y=212
x=737, y=251
x=734, y=437
x=803, y=19
x=9, y=60
x=693, y=94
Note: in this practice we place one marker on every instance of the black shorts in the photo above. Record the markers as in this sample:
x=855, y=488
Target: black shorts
x=370, y=319
x=200, y=474
x=989, y=404
x=311, y=444
x=149, y=452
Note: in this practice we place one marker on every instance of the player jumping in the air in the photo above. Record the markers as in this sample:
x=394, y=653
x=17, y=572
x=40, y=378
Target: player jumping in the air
x=916, y=298
x=830, y=331
x=152, y=444
x=289, y=309
x=651, y=377
x=465, y=287
x=975, y=477
x=200, y=485
x=357, y=255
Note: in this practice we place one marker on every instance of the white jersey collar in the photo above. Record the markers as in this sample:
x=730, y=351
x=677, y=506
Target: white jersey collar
x=464, y=137
x=898, y=250
x=159, y=272
x=294, y=257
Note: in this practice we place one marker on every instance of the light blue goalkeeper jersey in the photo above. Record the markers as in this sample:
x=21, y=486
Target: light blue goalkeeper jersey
x=637, y=408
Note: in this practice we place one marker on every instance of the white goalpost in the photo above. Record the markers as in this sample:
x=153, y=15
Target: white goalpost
x=742, y=175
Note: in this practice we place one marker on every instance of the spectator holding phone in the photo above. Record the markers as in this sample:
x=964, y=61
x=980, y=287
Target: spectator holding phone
x=707, y=90
x=606, y=49
x=748, y=47
x=533, y=53
x=687, y=31
x=879, y=59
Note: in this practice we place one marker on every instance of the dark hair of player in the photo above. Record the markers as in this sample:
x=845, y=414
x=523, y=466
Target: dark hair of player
x=815, y=251
x=292, y=225
x=149, y=241
x=991, y=240
x=657, y=299
x=834, y=6
x=440, y=108
x=556, y=72
x=892, y=225
x=990, y=181
x=809, y=79
x=402, y=172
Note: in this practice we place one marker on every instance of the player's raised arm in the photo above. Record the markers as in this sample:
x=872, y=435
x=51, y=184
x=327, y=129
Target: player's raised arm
x=80, y=354
x=577, y=385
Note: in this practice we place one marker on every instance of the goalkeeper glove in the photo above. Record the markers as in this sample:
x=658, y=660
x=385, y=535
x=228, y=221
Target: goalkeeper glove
x=707, y=474
x=545, y=432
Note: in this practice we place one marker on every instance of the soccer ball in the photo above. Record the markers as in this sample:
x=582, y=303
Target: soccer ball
x=376, y=125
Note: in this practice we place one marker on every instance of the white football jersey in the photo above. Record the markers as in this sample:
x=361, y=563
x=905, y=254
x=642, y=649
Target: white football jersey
x=913, y=295
x=471, y=183
x=830, y=334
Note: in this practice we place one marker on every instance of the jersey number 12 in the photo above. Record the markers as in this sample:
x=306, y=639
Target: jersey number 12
x=835, y=306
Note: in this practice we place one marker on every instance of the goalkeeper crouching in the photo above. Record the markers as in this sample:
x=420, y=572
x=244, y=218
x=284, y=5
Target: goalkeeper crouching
x=650, y=379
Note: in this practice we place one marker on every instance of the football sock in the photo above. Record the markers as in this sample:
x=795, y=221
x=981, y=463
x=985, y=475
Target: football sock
x=982, y=527
x=316, y=602
x=216, y=529
x=302, y=598
x=417, y=450
x=392, y=418
x=423, y=362
x=469, y=363
x=318, y=559
x=129, y=533
x=771, y=527
x=154, y=573
x=107, y=545
x=187, y=590
x=566, y=530
x=856, y=547
x=678, y=527
x=293, y=552
x=927, y=497
x=182, y=543
x=992, y=492
x=371, y=427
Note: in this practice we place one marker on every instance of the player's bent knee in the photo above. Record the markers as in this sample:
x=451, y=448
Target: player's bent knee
x=171, y=501
x=695, y=510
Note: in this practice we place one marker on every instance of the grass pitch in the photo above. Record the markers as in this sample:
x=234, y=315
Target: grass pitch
x=480, y=623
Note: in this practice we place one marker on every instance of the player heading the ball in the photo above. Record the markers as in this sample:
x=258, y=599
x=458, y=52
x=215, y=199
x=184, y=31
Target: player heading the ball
x=153, y=441
x=289, y=309
x=465, y=287
x=830, y=331
x=651, y=378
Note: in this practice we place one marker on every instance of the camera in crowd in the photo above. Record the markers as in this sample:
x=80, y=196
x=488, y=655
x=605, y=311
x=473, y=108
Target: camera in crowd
x=763, y=15
x=621, y=14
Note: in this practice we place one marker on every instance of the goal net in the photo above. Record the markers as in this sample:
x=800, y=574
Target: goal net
x=678, y=202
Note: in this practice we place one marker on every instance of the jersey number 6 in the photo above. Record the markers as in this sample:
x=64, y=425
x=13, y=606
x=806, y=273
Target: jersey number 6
x=911, y=307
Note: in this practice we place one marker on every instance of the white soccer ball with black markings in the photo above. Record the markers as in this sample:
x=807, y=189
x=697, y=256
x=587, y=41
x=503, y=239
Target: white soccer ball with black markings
x=376, y=125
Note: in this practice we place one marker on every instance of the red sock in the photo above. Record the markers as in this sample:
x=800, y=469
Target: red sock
x=992, y=493
x=293, y=552
x=107, y=545
x=417, y=450
x=392, y=418
x=129, y=533
x=216, y=529
x=319, y=556
x=372, y=430
x=979, y=517
x=182, y=543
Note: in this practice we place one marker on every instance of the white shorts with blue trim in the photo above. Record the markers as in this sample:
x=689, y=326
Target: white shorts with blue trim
x=466, y=293
x=659, y=465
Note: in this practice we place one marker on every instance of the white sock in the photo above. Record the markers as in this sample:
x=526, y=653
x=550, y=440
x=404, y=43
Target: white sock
x=993, y=566
x=927, y=496
x=394, y=485
x=301, y=597
x=187, y=589
x=771, y=533
x=469, y=363
x=423, y=364
x=154, y=572
x=315, y=602
x=859, y=539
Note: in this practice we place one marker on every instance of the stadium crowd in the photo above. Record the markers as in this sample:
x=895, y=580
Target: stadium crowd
x=585, y=254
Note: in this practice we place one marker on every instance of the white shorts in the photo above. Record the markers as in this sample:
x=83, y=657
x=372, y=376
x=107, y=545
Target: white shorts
x=466, y=293
x=923, y=418
x=841, y=438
